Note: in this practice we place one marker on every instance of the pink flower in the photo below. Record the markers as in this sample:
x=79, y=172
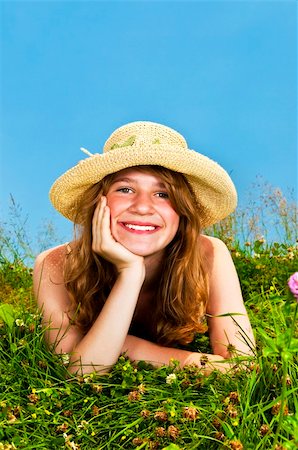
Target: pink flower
x=293, y=284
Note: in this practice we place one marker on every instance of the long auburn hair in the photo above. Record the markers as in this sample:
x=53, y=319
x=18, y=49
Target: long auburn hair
x=182, y=294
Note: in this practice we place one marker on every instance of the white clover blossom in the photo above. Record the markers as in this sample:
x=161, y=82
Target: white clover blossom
x=19, y=322
x=171, y=378
x=65, y=358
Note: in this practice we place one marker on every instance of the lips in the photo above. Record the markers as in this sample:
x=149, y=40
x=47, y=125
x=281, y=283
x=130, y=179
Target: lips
x=138, y=227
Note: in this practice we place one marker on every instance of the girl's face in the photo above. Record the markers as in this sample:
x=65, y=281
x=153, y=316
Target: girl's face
x=142, y=217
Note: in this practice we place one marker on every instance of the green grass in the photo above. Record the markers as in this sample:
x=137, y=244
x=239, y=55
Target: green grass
x=254, y=407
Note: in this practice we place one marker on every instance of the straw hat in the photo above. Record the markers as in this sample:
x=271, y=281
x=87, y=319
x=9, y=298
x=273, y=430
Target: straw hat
x=148, y=143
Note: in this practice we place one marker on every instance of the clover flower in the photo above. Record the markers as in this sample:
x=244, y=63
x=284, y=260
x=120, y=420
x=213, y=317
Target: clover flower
x=145, y=413
x=161, y=416
x=236, y=445
x=19, y=322
x=293, y=284
x=264, y=429
x=190, y=412
x=134, y=396
x=173, y=432
x=171, y=378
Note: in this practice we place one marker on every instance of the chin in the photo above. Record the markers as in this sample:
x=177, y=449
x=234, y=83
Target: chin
x=140, y=250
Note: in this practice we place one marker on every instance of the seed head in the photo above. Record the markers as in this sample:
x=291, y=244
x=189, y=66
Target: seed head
x=219, y=436
x=232, y=412
x=160, y=431
x=33, y=398
x=173, y=432
x=276, y=409
x=95, y=410
x=234, y=397
x=216, y=423
x=97, y=388
x=264, y=429
x=134, y=396
x=190, y=413
x=137, y=441
x=236, y=445
x=162, y=416
x=145, y=413
x=62, y=428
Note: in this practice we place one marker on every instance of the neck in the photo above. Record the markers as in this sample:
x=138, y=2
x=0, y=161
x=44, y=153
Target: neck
x=153, y=265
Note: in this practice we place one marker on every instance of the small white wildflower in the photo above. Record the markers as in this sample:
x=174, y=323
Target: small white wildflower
x=65, y=358
x=171, y=378
x=19, y=322
x=84, y=424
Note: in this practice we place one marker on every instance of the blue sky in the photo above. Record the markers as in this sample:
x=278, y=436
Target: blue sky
x=223, y=73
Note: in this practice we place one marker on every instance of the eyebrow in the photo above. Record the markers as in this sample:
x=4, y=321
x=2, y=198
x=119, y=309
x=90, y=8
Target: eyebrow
x=131, y=180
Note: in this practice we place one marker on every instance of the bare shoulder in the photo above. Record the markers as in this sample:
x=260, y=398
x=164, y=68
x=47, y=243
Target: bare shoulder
x=212, y=246
x=51, y=261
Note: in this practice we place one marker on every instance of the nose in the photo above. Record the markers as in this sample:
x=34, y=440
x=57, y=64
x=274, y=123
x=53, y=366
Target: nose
x=142, y=204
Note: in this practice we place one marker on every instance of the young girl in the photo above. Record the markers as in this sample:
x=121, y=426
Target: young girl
x=140, y=277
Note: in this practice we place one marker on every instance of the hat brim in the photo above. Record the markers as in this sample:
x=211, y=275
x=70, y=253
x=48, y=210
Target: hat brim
x=211, y=184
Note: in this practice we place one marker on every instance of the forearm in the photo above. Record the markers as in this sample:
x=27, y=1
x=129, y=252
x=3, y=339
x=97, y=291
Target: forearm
x=138, y=349
x=102, y=345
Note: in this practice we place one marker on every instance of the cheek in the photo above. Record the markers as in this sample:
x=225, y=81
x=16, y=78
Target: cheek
x=174, y=220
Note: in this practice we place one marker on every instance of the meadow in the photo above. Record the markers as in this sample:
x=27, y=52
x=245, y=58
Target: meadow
x=135, y=406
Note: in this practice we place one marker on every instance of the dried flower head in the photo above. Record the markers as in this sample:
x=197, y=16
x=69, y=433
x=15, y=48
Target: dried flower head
x=234, y=397
x=145, y=413
x=276, y=409
x=264, y=429
x=231, y=411
x=97, y=388
x=219, y=436
x=67, y=413
x=11, y=417
x=236, y=445
x=33, y=398
x=173, y=432
x=95, y=410
x=137, y=441
x=203, y=360
x=62, y=428
x=216, y=423
x=190, y=412
x=134, y=396
x=162, y=416
x=160, y=431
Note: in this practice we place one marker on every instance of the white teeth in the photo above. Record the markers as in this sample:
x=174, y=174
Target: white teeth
x=139, y=227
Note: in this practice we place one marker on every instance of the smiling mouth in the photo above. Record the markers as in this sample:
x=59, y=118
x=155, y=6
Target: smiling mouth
x=139, y=228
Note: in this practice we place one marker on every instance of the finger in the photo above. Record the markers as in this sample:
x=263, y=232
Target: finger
x=96, y=221
x=105, y=224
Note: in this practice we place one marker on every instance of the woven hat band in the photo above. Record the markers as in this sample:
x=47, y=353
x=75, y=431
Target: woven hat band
x=141, y=134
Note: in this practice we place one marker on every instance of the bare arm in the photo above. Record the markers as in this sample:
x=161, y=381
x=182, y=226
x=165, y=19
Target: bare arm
x=232, y=331
x=102, y=345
